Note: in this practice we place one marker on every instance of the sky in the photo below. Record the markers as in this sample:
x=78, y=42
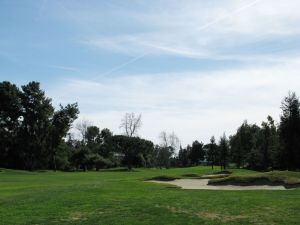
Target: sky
x=194, y=67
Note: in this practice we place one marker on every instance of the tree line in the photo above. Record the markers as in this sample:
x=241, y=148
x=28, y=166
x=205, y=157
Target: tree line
x=33, y=135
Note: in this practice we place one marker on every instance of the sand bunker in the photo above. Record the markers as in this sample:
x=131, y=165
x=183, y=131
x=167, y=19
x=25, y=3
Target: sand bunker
x=203, y=184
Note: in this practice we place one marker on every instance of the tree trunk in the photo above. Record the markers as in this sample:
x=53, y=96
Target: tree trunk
x=54, y=163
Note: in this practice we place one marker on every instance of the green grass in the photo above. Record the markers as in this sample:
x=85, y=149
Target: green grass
x=122, y=197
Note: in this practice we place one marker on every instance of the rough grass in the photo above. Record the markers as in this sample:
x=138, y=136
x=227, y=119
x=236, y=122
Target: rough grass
x=121, y=197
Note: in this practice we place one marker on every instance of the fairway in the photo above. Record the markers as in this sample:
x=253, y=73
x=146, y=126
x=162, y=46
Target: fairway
x=121, y=197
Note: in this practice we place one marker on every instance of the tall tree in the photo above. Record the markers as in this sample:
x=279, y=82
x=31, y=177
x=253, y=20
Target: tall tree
x=10, y=115
x=36, y=126
x=224, y=150
x=30, y=129
x=290, y=132
x=241, y=144
x=61, y=123
x=212, y=152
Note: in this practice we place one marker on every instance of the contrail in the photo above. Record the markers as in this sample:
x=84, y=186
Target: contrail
x=215, y=21
x=224, y=17
x=122, y=65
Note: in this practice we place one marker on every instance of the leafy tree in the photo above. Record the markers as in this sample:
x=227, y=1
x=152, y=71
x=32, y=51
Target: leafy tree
x=106, y=147
x=30, y=130
x=80, y=159
x=197, y=153
x=36, y=126
x=132, y=147
x=10, y=115
x=184, y=156
x=163, y=156
x=60, y=124
x=93, y=137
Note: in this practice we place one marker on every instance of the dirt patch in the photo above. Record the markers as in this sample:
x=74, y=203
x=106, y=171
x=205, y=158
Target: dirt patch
x=203, y=184
x=206, y=215
x=75, y=216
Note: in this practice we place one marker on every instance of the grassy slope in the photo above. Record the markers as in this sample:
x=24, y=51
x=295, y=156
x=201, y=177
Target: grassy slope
x=122, y=198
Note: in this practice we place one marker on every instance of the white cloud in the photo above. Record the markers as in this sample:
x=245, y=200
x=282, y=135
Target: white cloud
x=193, y=105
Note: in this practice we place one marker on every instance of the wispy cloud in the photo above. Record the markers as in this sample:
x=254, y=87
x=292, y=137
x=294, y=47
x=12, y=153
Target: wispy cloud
x=216, y=31
x=66, y=68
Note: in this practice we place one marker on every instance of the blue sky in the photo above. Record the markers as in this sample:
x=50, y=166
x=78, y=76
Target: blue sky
x=198, y=68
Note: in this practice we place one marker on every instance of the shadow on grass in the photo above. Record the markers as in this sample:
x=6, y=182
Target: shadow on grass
x=163, y=178
x=223, y=172
x=119, y=170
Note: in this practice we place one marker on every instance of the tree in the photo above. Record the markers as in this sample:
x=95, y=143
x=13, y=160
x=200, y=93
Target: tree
x=10, y=115
x=36, y=126
x=131, y=124
x=106, y=147
x=269, y=144
x=212, y=152
x=168, y=144
x=61, y=123
x=169, y=140
x=132, y=148
x=223, y=145
x=163, y=156
x=82, y=127
x=93, y=137
x=241, y=143
x=197, y=153
x=30, y=129
x=184, y=156
x=290, y=132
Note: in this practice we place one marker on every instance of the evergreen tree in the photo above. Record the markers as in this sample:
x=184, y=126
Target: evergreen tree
x=290, y=132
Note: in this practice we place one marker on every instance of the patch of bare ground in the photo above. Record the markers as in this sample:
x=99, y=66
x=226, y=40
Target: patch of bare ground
x=205, y=215
x=79, y=216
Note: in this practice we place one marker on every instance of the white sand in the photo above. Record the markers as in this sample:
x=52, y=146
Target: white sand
x=203, y=184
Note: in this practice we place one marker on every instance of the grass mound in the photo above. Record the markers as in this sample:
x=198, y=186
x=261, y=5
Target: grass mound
x=262, y=179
